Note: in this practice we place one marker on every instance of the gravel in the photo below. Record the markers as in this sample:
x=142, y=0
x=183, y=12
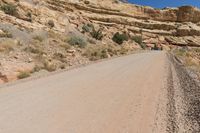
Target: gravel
x=183, y=86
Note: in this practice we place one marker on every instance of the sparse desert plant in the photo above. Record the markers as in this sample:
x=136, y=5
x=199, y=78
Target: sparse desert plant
x=7, y=45
x=29, y=15
x=62, y=66
x=38, y=38
x=143, y=45
x=77, y=41
x=180, y=52
x=23, y=75
x=59, y=56
x=9, y=9
x=44, y=63
x=87, y=27
x=34, y=50
x=116, y=1
x=97, y=34
x=37, y=68
x=86, y=2
x=189, y=61
x=137, y=39
x=120, y=38
x=155, y=47
x=123, y=51
x=96, y=53
x=51, y=23
x=65, y=46
x=49, y=66
x=197, y=50
x=6, y=34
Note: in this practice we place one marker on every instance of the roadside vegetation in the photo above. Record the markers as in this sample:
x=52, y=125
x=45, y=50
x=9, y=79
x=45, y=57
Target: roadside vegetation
x=49, y=51
x=139, y=40
x=120, y=38
x=23, y=75
x=9, y=9
x=76, y=40
x=189, y=57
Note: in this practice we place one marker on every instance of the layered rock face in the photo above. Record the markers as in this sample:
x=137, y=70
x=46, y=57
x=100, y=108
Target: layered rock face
x=179, y=22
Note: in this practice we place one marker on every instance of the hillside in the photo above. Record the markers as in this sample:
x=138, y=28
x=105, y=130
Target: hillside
x=55, y=34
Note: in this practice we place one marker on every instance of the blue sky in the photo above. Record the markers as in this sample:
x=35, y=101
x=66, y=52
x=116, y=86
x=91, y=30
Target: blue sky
x=166, y=3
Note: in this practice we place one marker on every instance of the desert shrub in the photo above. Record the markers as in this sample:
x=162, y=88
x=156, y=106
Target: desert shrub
x=96, y=53
x=62, y=66
x=143, y=45
x=23, y=75
x=9, y=9
x=37, y=68
x=49, y=66
x=123, y=51
x=120, y=38
x=87, y=27
x=51, y=23
x=100, y=54
x=189, y=62
x=38, y=38
x=77, y=41
x=65, y=46
x=86, y=2
x=7, y=45
x=197, y=50
x=6, y=34
x=155, y=47
x=137, y=39
x=43, y=62
x=59, y=56
x=34, y=50
x=97, y=34
x=180, y=52
x=29, y=15
x=116, y=1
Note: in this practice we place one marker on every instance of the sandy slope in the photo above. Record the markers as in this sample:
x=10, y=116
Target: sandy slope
x=123, y=95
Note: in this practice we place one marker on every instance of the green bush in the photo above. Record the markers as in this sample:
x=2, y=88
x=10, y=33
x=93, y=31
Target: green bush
x=23, y=75
x=9, y=9
x=49, y=66
x=156, y=47
x=51, y=23
x=97, y=34
x=39, y=38
x=29, y=15
x=95, y=53
x=77, y=41
x=87, y=27
x=7, y=33
x=180, y=52
x=120, y=38
x=142, y=45
x=137, y=39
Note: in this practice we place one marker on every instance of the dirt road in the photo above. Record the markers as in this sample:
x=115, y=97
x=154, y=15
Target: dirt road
x=122, y=95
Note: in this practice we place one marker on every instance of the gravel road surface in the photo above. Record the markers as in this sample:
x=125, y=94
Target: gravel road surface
x=130, y=94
